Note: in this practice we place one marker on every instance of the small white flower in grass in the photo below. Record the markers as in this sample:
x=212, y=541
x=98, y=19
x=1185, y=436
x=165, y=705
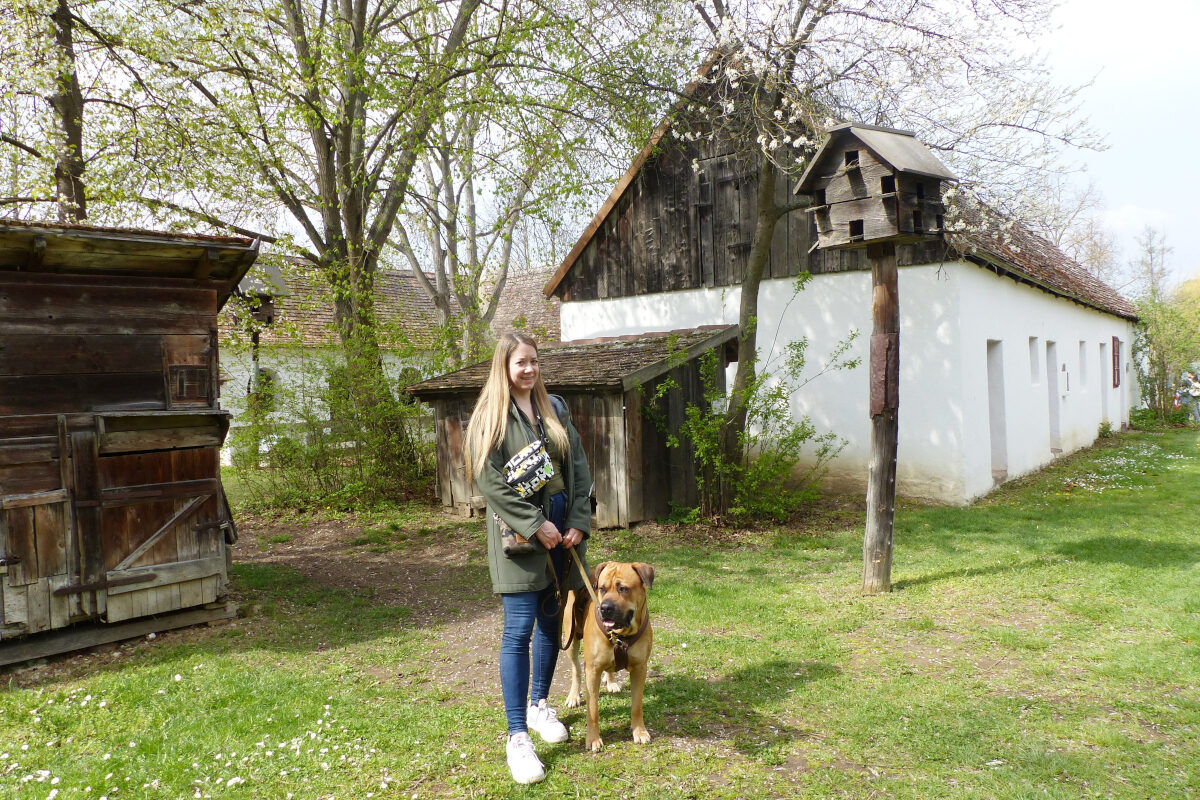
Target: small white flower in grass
x=103, y=703
x=234, y=782
x=53, y=794
x=178, y=677
x=54, y=781
x=107, y=756
x=151, y=636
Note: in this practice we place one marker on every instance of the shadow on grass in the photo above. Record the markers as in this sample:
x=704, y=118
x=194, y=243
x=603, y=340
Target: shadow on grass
x=974, y=572
x=734, y=708
x=1129, y=550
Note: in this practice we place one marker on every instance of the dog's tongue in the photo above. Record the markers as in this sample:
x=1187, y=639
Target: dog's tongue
x=610, y=624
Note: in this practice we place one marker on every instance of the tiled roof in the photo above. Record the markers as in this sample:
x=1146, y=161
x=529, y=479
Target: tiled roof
x=524, y=308
x=305, y=315
x=1011, y=247
x=618, y=362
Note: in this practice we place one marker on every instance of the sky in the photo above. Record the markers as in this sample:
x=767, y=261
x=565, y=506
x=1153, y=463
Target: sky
x=1143, y=59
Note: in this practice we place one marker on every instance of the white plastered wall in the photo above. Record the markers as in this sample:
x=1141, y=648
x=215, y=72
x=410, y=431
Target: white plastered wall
x=947, y=314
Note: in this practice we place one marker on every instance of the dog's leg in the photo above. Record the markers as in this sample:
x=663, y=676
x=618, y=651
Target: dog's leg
x=612, y=682
x=594, y=742
x=637, y=683
x=574, y=695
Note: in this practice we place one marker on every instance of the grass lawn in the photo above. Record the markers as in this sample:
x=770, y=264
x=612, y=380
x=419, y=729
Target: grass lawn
x=1042, y=643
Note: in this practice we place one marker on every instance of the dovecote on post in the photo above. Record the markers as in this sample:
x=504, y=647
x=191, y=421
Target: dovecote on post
x=872, y=184
x=875, y=188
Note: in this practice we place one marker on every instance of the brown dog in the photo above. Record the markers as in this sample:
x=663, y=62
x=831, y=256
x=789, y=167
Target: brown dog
x=614, y=637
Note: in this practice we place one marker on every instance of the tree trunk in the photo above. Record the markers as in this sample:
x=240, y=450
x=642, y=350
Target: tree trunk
x=760, y=251
x=67, y=102
x=884, y=405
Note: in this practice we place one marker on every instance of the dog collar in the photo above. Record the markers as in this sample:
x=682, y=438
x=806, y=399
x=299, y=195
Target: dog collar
x=621, y=644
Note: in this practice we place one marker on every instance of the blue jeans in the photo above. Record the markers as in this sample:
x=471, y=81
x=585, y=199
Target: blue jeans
x=521, y=611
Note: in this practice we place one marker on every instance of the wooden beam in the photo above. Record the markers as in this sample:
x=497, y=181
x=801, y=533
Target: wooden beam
x=92, y=634
x=187, y=511
x=37, y=253
x=209, y=257
x=884, y=407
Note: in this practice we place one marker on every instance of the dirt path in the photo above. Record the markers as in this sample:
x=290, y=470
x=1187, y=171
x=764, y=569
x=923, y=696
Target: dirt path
x=441, y=576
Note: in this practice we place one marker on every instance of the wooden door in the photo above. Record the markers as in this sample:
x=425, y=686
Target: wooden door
x=93, y=527
x=162, y=528
x=37, y=556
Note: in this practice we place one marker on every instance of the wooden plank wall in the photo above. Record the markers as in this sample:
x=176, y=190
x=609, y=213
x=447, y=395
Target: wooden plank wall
x=77, y=500
x=676, y=228
x=69, y=347
x=598, y=417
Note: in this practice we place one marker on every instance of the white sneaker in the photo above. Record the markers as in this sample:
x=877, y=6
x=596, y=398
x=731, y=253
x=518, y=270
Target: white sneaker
x=542, y=720
x=523, y=762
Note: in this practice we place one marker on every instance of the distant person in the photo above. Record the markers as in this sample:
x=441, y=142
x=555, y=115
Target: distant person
x=525, y=455
x=1193, y=390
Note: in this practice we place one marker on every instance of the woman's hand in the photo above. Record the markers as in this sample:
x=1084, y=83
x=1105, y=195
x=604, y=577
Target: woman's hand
x=548, y=535
x=572, y=537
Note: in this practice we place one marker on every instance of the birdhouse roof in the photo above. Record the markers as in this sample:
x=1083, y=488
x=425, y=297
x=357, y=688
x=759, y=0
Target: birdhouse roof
x=902, y=150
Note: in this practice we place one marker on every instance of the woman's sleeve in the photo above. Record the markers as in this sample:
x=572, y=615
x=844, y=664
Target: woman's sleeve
x=520, y=515
x=579, y=514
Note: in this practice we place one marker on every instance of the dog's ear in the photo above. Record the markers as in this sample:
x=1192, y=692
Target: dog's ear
x=645, y=572
x=599, y=568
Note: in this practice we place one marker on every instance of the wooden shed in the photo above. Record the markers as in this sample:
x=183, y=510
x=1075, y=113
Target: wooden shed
x=111, y=506
x=607, y=384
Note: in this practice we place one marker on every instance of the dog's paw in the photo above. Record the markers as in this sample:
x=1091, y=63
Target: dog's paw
x=612, y=684
x=641, y=736
x=595, y=745
x=573, y=701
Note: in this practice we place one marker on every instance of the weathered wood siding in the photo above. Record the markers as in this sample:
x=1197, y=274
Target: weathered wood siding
x=110, y=498
x=679, y=228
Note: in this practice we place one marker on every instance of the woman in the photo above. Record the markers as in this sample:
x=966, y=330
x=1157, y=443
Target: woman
x=514, y=411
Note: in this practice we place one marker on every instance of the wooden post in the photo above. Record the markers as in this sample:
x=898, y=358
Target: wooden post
x=884, y=405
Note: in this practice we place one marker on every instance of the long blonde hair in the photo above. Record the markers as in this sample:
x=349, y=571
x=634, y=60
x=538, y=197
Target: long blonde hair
x=489, y=420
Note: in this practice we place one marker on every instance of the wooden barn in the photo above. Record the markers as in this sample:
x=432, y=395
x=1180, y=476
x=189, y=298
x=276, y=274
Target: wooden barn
x=607, y=384
x=111, y=506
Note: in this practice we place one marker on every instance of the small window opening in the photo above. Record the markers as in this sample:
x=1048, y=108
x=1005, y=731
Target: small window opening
x=856, y=229
x=920, y=191
x=918, y=221
x=188, y=384
x=941, y=223
x=888, y=184
x=819, y=197
x=851, y=158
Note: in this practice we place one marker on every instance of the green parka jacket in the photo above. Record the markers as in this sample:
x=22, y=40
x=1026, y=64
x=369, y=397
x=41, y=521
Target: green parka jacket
x=529, y=573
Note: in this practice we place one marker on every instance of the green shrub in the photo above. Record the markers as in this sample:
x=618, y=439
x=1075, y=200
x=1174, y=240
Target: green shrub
x=1148, y=419
x=764, y=482
x=337, y=438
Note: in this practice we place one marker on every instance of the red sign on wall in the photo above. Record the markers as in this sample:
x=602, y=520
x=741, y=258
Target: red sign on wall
x=1116, y=353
